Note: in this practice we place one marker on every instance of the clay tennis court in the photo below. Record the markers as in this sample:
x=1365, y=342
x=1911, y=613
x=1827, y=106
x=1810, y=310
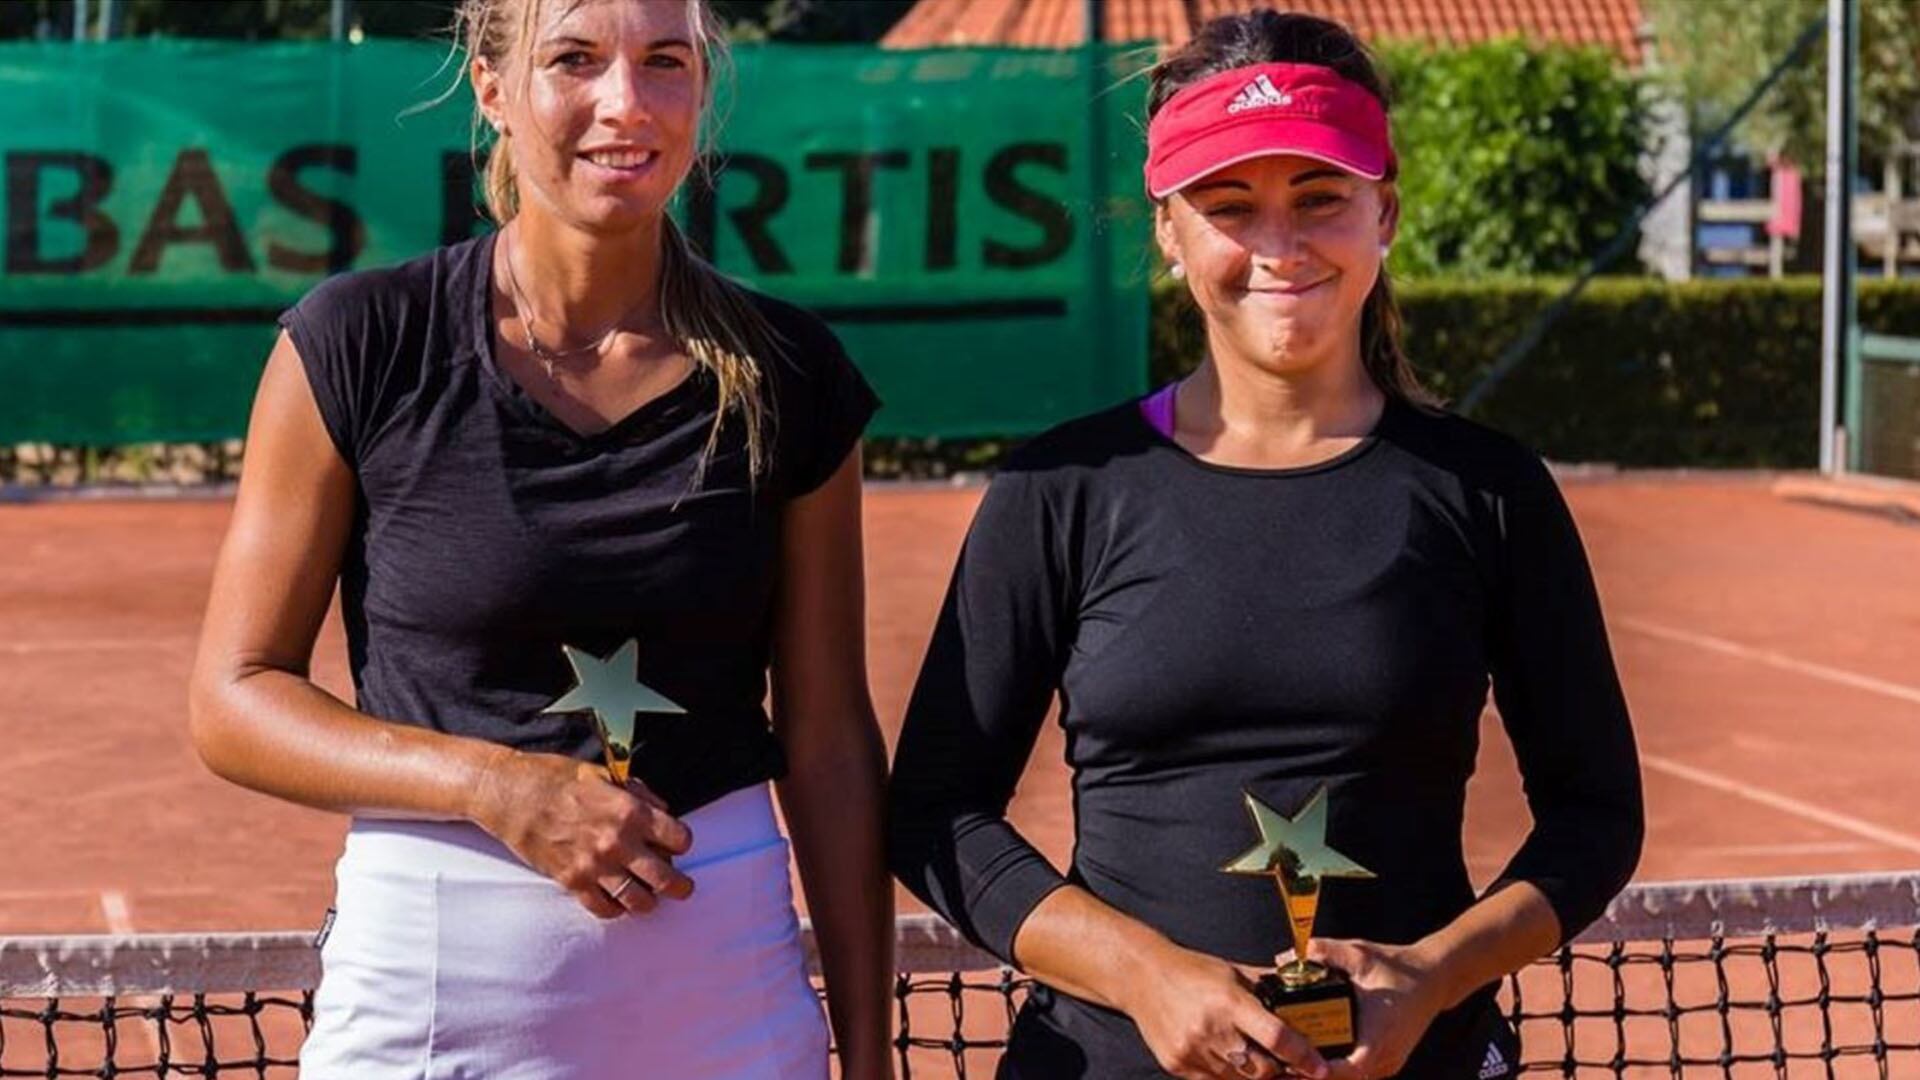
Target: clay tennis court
x=1766, y=646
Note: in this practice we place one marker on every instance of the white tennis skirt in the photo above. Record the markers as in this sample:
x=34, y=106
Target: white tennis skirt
x=450, y=959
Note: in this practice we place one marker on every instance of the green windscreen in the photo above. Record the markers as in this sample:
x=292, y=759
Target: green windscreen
x=942, y=209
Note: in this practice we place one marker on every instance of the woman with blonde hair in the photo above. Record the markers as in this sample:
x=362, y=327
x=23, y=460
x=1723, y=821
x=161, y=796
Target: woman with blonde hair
x=1285, y=575
x=570, y=480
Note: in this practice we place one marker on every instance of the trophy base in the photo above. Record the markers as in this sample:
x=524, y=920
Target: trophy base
x=1321, y=1009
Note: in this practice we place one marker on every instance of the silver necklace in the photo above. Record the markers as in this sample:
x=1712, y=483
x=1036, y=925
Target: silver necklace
x=550, y=358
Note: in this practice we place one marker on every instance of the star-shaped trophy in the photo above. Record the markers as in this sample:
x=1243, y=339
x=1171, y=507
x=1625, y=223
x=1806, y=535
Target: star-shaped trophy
x=1313, y=999
x=611, y=689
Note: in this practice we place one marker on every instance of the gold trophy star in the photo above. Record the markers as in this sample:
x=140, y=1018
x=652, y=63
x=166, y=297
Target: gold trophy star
x=611, y=689
x=1296, y=846
x=1294, y=852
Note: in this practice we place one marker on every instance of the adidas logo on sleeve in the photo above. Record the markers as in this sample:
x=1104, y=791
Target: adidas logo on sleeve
x=1495, y=1065
x=1259, y=94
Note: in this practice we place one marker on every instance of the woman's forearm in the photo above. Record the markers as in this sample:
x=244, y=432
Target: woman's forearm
x=1509, y=928
x=275, y=732
x=832, y=799
x=1078, y=944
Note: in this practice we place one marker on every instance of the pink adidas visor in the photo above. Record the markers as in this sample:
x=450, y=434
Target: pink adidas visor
x=1264, y=109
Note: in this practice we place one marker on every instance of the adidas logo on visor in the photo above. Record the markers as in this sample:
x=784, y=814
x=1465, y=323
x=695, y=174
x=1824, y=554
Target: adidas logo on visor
x=1495, y=1065
x=1259, y=94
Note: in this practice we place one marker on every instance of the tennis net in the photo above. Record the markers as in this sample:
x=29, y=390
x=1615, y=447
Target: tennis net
x=1763, y=977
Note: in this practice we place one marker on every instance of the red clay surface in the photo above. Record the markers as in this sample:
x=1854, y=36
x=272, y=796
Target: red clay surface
x=1767, y=647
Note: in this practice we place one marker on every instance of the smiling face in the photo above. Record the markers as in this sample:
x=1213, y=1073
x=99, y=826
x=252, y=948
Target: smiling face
x=601, y=101
x=1280, y=252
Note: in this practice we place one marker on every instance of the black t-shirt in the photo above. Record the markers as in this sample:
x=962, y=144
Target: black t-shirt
x=1211, y=630
x=488, y=534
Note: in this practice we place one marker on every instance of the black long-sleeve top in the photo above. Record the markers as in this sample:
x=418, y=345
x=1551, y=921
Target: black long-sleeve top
x=1210, y=630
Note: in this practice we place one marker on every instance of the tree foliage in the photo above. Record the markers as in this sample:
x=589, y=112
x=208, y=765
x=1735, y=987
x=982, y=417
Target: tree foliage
x=747, y=20
x=1716, y=51
x=252, y=20
x=1514, y=158
x=811, y=20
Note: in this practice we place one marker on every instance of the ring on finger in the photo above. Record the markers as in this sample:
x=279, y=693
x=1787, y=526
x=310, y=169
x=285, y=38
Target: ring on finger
x=618, y=890
x=1243, y=1062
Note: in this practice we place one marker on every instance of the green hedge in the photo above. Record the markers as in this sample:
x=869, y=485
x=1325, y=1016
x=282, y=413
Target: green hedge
x=1637, y=372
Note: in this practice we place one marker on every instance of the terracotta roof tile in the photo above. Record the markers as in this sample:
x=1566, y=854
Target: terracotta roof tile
x=925, y=21
x=1614, y=24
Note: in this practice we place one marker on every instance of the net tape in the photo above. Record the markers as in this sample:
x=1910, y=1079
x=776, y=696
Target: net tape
x=1761, y=977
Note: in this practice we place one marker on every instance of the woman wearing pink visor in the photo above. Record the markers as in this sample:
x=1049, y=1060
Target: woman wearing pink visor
x=1289, y=571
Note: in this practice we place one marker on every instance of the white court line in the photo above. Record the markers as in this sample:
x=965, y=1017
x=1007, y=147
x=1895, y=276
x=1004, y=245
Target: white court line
x=1898, y=691
x=1831, y=818
x=29, y=648
x=1753, y=792
x=15, y=895
x=113, y=904
x=157, y=891
x=1811, y=847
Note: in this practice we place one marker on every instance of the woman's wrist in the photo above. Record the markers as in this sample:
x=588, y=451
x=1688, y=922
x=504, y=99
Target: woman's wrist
x=867, y=1056
x=485, y=789
x=1135, y=964
x=1507, y=929
x=1441, y=968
